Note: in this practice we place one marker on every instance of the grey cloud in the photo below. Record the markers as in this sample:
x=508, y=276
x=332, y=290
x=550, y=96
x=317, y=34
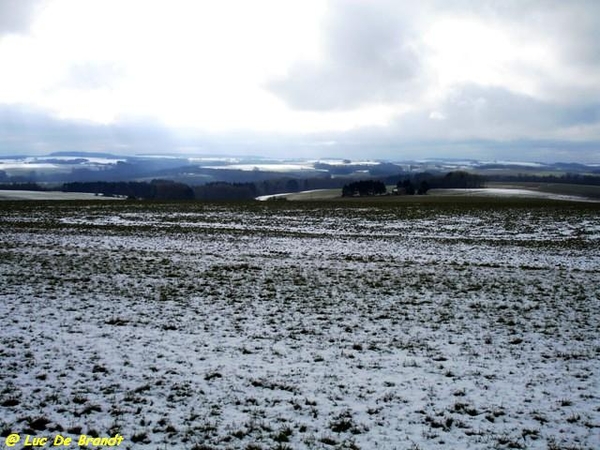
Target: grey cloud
x=577, y=31
x=368, y=57
x=16, y=15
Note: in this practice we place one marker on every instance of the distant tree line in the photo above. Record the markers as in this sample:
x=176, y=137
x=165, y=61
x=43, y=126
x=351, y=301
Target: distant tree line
x=21, y=187
x=408, y=187
x=166, y=189
x=155, y=190
x=568, y=178
x=421, y=183
x=222, y=190
x=458, y=179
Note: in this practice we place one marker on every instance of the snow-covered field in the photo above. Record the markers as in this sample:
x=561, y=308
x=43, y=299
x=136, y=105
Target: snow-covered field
x=260, y=326
x=51, y=195
x=510, y=192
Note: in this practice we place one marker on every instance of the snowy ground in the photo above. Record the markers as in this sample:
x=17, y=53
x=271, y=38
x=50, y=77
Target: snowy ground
x=266, y=326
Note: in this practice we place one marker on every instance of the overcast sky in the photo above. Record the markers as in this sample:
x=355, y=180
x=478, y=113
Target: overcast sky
x=486, y=79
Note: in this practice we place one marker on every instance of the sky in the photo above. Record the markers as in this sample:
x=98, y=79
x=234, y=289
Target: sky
x=381, y=79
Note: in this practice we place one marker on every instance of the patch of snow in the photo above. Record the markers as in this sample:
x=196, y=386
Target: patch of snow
x=267, y=167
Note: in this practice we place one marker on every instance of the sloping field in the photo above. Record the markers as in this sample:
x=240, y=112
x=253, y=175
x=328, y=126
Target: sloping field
x=562, y=189
x=302, y=325
x=511, y=192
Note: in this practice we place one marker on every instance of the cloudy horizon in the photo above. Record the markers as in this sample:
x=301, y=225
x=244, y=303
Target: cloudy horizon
x=384, y=79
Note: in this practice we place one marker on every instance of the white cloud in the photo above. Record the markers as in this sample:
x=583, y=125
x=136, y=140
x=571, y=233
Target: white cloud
x=434, y=69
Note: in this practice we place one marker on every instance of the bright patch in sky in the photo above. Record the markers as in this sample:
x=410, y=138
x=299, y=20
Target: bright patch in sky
x=185, y=62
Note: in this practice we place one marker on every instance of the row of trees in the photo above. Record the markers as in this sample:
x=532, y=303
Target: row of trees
x=364, y=188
